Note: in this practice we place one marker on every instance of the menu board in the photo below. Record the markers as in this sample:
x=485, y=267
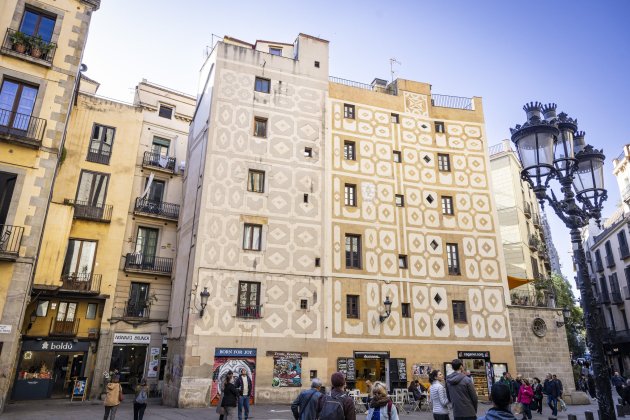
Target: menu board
x=351, y=374
x=346, y=366
x=402, y=370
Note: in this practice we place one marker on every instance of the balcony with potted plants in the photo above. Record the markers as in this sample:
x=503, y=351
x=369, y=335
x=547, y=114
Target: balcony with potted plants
x=27, y=47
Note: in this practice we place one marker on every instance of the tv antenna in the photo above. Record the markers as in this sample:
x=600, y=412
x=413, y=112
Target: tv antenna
x=393, y=61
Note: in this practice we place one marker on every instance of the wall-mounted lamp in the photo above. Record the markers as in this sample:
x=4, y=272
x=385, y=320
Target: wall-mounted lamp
x=32, y=320
x=388, y=309
x=566, y=313
x=204, y=295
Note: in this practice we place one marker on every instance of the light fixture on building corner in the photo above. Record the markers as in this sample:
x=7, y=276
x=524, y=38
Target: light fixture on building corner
x=32, y=318
x=566, y=313
x=204, y=295
x=388, y=309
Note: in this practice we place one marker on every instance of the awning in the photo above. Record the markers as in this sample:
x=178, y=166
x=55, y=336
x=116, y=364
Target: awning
x=514, y=282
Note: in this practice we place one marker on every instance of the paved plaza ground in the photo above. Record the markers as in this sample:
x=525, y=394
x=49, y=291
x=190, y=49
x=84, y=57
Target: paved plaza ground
x=93, y=410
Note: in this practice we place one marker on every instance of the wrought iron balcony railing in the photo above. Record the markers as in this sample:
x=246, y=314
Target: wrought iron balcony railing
x=603, y=298
x=94, y=212
x=22, y=128
x=157, y=161
x=10, y=241
x=610, y=260
x=454, y=271
x=615, y=296
x=16, y=42
x=64, y=328
x=249, y=311
x=536, y=219
x=98, y=156
x=156, y=208
x=81, y=282
x=534, y=243
x=457, y=102
x=135, y=309
x=148, y=263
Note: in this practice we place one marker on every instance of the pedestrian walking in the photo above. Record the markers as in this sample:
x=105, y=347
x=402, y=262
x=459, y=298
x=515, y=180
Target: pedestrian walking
x=305, y=405
x=550, y=388
x=525, y=397
x=506, y=379
x=501, y=397
x=538, y=396
x=461, y=393
x=517, y=385
x=626, y=393
x=590, y=381
x=113, y=398
x=337, y=405
x=229, y=397
x=140, y=400
x=618, y=382
x=244, y=386
x=562, y=405
x=439, y=399
x=381, y=406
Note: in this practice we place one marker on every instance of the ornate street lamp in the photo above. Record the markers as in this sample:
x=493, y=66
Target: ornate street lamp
x=203, y=295
x=550, y=148
x=388, y=309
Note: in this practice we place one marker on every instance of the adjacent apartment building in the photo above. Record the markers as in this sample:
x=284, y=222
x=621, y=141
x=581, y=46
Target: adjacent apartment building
x=40, y=55
x=332, y=226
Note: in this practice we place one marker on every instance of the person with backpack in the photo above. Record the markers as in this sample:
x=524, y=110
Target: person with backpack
x=381, y=406
x=461, y=393
x=337, y=405
x=439, y=399
x=140, y=401
x=305, y=405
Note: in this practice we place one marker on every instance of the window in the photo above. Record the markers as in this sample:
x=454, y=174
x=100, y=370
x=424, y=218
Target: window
x=308, y=152
x=92, y=189
x=260, y=127
x=348, y=111
x=535, y=271
x=7, y=184
x=146, y=246
x=459, y=311
x=256, y=181
x=439, y=127
x=66, y=311
x=160, y=146
x=402, y=261
x=275, y=51
x=303, y=304
x=624, y=251
x=395, y=118
x=252, y=235
x=248, y=304
x=156, y=190
x=166, y=111
x=79, y=261
x=101, y=144
x=444, y=162
x=262, y=85
x=352, y=306
x=350, y=195
x=42, y=308
x=305, y=198
x=397, y=156
x=137, y=305
x=353, y=251
x=349, y=150
x=91, y=311
x=400, y=200
x=35, y=23
x=447, y=205
x=317, y=64
x=452, y=259
x=317, y=262
x=17, y=101
x=406, y=310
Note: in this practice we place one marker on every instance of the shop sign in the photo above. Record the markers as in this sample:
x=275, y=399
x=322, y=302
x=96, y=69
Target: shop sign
x=473, y=355
x=123, y=338
x=5, y=329
x=46, y=345
x=371, y=355
x=223, y=352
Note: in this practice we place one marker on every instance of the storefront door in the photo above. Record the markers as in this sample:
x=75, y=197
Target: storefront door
x=232, y=359
x=129, y=360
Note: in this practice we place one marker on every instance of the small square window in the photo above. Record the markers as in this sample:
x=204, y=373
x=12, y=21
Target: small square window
x=262, y=85
x=349, y=150
x=275, y=51
x=350, y=195
x=252, y=237
x=165, y=112
x=42, y=308
x=348, y=111
x=313, y=374
x=395, y=118
x=260, y=127
x=352, y=306
x=397, y=156
x=303, y=304
x=305, y=198
x=439, y=127
x=317, y=262
x=447, y=205
x=406, y=310
x=91, y=311
x=256, y=181
x=308, y=152
x=400, y=200
x=317, y=64
x=459, y=311
x=444, y=162
x=402, y=261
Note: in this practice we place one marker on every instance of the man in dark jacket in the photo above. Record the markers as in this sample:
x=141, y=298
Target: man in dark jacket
x=550, y=388
x=244, y=386
x=305, y=405
x=618, y=382
x=501, y=396
x=337, y=405
x=461, y=393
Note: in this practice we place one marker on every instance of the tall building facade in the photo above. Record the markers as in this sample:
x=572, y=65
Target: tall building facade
x=332, y=225
x=42, y=45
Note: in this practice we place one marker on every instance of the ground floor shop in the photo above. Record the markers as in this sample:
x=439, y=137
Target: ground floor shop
x=618, y=357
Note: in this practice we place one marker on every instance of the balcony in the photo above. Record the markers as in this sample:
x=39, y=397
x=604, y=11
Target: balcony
x=140, y=263
x=624, y=252
x=81, y=282
x=137, y=310
x=533, y=243
x=537, y=298
x=454, y=271
x=249, y=311
x=603, y=298
x=447, y=101
x=22, y=128
x=610, y=261
x=64, y=328
x=10, y=240
x=536, y=220
x=29, y=48
x=158, y=209
x=86, y=211
x=98, y=156
x=598, y=265
x=158, y=162
x=616, y=297
x=527, y=210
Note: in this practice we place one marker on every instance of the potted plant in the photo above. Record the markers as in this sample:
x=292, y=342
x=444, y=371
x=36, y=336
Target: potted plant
x=19, y=41
x=39, y=47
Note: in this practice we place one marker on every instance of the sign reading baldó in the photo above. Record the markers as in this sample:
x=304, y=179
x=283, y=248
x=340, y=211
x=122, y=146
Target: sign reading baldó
x=45, y=345
x=473, y=355
x=123, y=338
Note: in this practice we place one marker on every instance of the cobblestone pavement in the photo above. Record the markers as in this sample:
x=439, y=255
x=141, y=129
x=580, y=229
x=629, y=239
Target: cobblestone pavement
x=93, y=410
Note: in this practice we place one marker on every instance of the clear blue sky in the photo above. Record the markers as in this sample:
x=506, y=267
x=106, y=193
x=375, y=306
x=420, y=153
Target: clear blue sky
x=575, y=53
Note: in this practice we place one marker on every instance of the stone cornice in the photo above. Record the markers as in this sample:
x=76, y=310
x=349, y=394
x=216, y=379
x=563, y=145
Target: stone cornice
x=96, y=4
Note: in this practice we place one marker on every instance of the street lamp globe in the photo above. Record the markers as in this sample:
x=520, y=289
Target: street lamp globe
x=588, y=181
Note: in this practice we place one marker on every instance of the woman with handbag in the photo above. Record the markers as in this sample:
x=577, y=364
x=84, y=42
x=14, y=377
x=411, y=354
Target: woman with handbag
x=229, y=397
x=524, y=398
x=113, y=398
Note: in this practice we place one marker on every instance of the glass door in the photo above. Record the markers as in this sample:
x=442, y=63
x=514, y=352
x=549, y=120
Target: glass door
x=138, y=297
x=146, y=246
x=17, y=101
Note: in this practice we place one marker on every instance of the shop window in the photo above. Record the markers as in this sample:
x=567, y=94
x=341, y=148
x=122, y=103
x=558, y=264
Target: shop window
x=439, y=127
x=352, y=306
x=42, y=308
x=397, y=156
x=452, y=259
x=260, y=127
x=129, y=360
x=353, y=251
x=447, y=205
x=256, y=181
x=262, y=85
x=459, y=311
x=349, y=150
x=101, y=144
x=444, y=162
x=252, y=237
x=406, y=310
x=350, y=195
x=348, y=111
x=92, y=308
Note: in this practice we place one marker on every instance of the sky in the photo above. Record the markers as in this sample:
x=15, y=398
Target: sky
x=574, y=53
